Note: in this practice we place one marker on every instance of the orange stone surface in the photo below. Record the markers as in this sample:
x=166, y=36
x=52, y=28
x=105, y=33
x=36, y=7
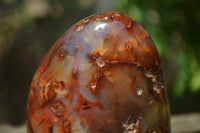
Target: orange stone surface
x=102, y=76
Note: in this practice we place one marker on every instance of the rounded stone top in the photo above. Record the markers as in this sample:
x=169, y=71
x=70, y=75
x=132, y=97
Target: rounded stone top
x=102, y=76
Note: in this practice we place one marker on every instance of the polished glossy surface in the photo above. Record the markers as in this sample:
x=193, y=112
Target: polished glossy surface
x=102, y=76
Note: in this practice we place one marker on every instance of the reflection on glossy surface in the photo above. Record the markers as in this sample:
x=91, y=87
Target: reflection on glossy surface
x=102, y=76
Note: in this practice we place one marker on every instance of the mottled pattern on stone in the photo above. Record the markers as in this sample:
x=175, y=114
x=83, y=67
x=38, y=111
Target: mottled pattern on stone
x=102, y=76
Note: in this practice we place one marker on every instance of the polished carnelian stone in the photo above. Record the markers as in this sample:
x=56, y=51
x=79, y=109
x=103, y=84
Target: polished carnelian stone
x=102, y=76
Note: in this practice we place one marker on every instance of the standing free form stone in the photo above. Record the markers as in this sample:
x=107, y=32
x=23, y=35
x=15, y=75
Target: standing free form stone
x=102, y=76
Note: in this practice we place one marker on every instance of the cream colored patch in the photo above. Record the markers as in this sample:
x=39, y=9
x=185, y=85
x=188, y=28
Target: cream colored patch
x=76, y=127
